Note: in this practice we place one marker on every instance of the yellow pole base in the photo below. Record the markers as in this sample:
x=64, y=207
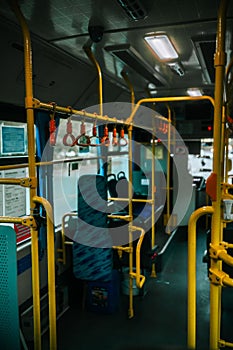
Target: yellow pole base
x=153, y=272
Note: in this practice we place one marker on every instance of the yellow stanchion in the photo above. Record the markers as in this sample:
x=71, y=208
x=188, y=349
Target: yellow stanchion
x=62, y=250
x=140, y=279
x=32, y=174
x=224, y=344
x=51, y=271
x=131, y=89
x=168, y=183
x=216, y=231
x=153, y=271
x=130, y=213
x=92, y=58
x=191, y=342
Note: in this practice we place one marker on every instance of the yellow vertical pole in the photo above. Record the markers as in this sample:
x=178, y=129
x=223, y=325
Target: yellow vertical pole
x=153, y=188
x=224, y=146
x=32, y=172
x=128, y=82
x=191, y=339
x=130, y=194
x=225, y=151
x=219, y=62
x=51, y=272
x=92, y=58
x=153, y=272
x=168, y=165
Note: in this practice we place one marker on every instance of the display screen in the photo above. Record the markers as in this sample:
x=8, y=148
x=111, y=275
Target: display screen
x=13, y=140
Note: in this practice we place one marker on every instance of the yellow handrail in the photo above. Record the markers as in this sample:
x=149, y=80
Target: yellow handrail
x=130, y=213
x=192, y=273
x=140, y=279
x=51, y=270
x=130, y=85
x=149, y=201
x=168, y=182
x=166, y=99
x=216, y=229
x=65, y=110
x=122, y=217
x=13, y=220
x=63, y=238
x=228, y=259
x=32, y=172
x=224, y=343
x=152, y=201
x=92, y=58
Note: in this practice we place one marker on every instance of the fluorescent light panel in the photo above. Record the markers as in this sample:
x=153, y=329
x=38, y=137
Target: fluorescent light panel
x=194, y=92
x=162, y=46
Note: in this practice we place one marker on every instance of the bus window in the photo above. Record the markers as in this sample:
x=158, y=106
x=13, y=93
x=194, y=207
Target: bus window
x=75, y=161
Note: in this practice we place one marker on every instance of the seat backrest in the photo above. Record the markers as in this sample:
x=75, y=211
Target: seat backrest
x=92, y=252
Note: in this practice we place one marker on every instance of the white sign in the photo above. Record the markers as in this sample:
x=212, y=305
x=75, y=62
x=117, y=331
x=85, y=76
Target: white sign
x=14, y=196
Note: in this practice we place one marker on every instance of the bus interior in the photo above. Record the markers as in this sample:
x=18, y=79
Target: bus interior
x=116, y=174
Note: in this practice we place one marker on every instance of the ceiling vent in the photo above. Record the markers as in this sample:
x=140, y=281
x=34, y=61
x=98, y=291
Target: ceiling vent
x=205, y=50
x=129, y=56
x=133, y=9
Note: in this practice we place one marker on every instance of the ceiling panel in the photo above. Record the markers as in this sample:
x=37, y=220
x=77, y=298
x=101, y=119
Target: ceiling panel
x=64, y=24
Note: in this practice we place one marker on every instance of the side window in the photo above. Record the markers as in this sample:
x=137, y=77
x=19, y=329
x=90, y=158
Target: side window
x=72, y=162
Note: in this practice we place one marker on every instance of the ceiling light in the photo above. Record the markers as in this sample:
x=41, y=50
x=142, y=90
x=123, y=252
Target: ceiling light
x=194, y=92
x=162, y=46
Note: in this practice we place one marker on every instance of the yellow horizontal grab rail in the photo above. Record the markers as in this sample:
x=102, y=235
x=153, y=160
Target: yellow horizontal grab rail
x=83, y=113
x=140, y=279
x=66, y=110
x=218, y=251
x=227, y=245
x=226, y=258
x=150, y=201
x=12, y=181
x=12, y=220
x=123, y=249
x=167, y=99
x=220, y=277
x=192, y=273
x=226, y=185
x=51, y=269
x=50, y=162
x=224, y=343
x=122, y=217
x=25, y=182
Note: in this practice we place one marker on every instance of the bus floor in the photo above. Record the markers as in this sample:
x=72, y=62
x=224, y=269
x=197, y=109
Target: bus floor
x=160, y=316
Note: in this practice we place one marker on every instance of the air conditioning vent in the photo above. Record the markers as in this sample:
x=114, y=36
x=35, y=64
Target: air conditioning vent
x=129, y=56
x=205, y=50
x=133, y=9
